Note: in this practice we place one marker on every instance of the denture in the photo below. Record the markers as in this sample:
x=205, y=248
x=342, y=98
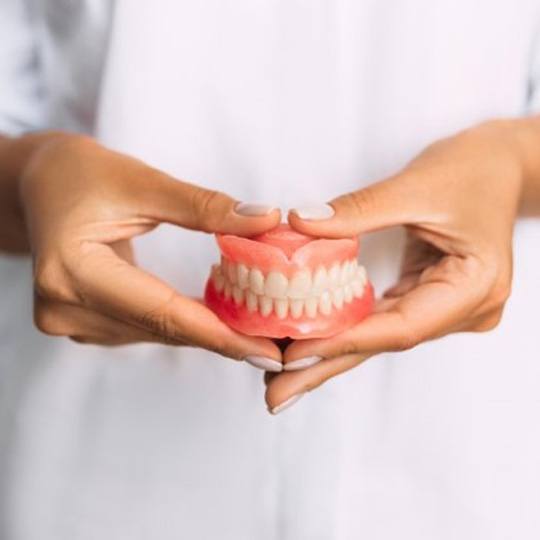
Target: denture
x=286, y=284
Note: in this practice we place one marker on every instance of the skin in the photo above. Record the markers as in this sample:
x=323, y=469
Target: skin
x=75, y=205
x=458, y=201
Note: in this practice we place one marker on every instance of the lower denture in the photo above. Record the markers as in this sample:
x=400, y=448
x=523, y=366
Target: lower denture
x=285, y=284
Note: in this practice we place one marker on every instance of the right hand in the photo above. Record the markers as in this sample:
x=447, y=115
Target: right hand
x=82, y=204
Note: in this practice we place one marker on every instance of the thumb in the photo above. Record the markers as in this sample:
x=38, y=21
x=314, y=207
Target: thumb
x=376, y=207
x=197, y=208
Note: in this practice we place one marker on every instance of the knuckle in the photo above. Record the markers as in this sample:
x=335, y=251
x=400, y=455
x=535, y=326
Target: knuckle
x=500, y=293
x=405, y=340
x=162, y=323
x=50, y=281
x=490, y=323
x=203, y=202
x=48, y=322
x=362, y=199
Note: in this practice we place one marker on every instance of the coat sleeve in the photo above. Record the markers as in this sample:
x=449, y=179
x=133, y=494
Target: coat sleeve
x=22, y=97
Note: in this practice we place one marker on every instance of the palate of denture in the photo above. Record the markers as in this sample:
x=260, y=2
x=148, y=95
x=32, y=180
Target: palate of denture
x=286, y=284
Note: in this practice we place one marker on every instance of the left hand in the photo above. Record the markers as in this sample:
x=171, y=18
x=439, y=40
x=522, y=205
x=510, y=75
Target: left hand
x=458, y=201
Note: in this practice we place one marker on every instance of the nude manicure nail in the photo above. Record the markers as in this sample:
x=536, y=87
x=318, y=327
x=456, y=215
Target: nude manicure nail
x=261, y=362
x=253, y=209
x=314, y=212
x=302, y=363
x=286, y=404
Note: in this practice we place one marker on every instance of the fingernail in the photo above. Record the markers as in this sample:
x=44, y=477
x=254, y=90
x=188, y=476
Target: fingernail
x=302, y=363
x=253, y=209
x=314, y=212
x=264, y=363
x=286, y=404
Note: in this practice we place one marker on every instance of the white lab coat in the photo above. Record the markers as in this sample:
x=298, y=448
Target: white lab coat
x=284, y=101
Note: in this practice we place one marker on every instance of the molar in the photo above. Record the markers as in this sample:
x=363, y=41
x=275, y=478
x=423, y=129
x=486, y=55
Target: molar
x=238, y=295
x=243, y=276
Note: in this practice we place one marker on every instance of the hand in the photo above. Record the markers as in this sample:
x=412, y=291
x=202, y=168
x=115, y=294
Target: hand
x=458, y=201
x=82, y=204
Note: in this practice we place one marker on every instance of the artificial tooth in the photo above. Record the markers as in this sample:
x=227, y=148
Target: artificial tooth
x=311, y=306
x=231, y=272
x=320, y=281
x=297, y=307
x=300, y=284
x=227, y=290
x=325, y=303
x=242, y=272
x=219, y=281
x=344, y=273
x=275, y=285
x=251, y=301
x=348, y=293
x=238, y=295
x=357, y=287
x=337, y=297
x=256, y=281
x=362, y=274
x=334, y=276
x=354, y=268
x=265, y=305
x=281, y=307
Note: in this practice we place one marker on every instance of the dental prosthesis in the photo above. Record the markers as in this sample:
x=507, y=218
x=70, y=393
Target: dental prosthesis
x=286, y=284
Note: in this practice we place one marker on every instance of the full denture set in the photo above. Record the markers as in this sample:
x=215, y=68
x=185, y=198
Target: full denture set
x=286, y=284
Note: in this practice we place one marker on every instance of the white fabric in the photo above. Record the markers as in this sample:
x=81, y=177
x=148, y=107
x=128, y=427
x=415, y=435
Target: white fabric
x=280, y=101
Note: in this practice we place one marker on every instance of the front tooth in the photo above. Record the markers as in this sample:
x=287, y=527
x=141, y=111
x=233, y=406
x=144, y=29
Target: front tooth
x=232, y=273
x=325, y=303
x=337, y=297
x=243, y=276
x=238, y=295
x=251, y=301
x=265, y=305
x=256, y=281
x=227, y=289
x=281, y=307
x=348, y=293
x=297, y=306
x=357, y=287
x=311, y=306
x=320, y=281
x=300, y=284
x=334, y=276
x=276, y=285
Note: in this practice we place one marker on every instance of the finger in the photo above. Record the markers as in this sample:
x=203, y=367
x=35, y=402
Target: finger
x=201, y=209
x=287, y=387
x=445, y=298
x=84, y=326
x=375, y=207
x=113, y=287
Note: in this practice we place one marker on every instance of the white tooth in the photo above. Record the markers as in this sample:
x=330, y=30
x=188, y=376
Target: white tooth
x=265, y=305
x=348, y=293
x=325, y=303
x=238, y=295
x=362, y=274
x=300, y=284
x=311, y=306
x=219, y=282
x=281, y=307
x=231, y=272
x=256, y=281
x=297, y=306
x=334, y=276
x=320, y=281
x=243, y=276
x=251, y=301
x=357, y=287
x=275, y=285
x=337, y=297
x=227, y=290
x=344, y=273
x=354, y=268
